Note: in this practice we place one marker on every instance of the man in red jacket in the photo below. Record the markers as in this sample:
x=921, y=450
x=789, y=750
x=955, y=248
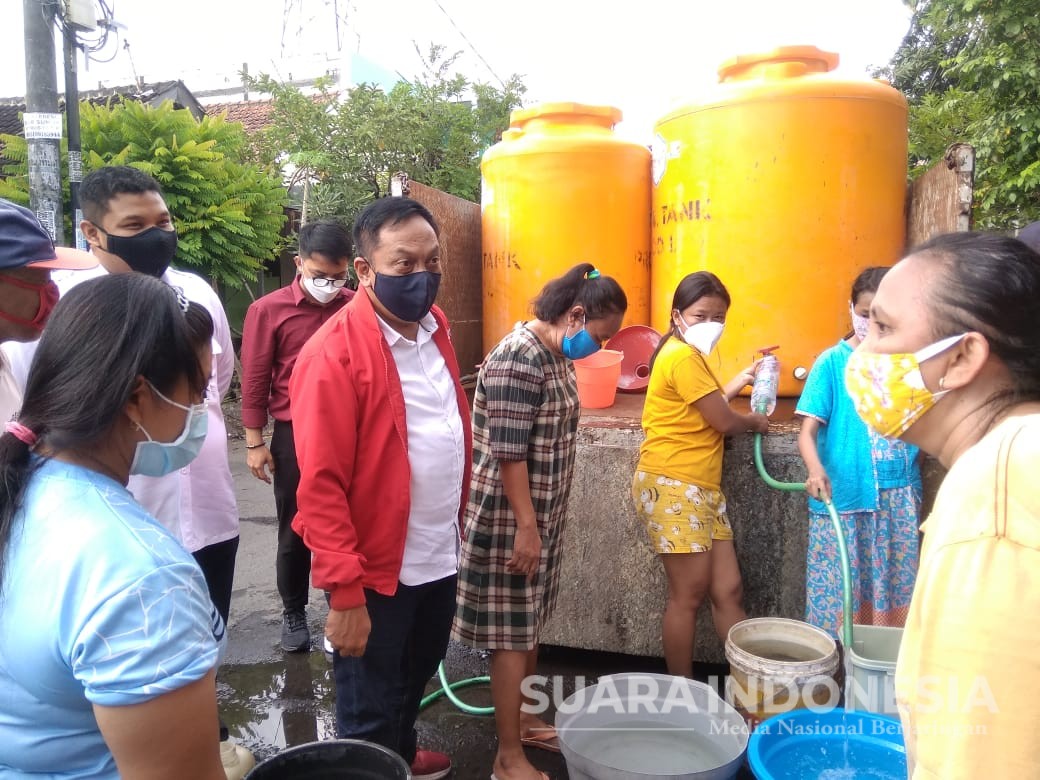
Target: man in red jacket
x=382, y=432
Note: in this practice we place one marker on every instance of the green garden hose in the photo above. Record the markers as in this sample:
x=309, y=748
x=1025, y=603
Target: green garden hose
x=448, y=690
x=839, y=532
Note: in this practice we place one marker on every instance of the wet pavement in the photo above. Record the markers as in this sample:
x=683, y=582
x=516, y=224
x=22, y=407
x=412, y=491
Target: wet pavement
x=271, y=700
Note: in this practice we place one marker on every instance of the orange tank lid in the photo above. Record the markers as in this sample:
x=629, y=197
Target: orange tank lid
x=784, y=61
x=607, y=115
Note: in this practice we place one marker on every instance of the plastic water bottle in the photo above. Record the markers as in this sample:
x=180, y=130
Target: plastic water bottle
x=766, y=384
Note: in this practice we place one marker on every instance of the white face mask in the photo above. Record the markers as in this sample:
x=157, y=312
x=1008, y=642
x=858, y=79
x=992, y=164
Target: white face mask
x=703, y=336
x=860, y=325
x=320, y=294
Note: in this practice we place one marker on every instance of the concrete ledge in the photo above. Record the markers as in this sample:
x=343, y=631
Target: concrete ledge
x=613, y=589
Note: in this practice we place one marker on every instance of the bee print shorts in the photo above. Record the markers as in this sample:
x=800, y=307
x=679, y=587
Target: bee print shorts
x=680, y=517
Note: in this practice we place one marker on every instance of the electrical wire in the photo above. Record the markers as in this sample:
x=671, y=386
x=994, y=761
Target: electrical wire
x=88, y=45
x=107, y=17
x=115, y=53
x=470, y=44
x=335, y=14
x=286, y=8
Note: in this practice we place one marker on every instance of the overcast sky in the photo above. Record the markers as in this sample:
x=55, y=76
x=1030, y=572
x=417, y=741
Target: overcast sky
x=642, y=56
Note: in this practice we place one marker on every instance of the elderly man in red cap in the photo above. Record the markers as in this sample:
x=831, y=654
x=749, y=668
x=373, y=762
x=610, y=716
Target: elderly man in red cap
x=27, y=294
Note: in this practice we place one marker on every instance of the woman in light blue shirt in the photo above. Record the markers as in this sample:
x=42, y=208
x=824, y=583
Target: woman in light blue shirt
x=108, y=639
x=874, y=482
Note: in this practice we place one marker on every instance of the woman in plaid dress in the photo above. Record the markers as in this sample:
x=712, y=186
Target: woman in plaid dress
x=525, y=421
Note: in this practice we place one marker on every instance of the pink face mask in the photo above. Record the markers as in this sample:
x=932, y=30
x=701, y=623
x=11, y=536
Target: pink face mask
x=48, y=292
x=860, y=325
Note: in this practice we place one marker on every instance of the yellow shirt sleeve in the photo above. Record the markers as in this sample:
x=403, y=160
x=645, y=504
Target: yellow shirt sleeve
x=690, y=376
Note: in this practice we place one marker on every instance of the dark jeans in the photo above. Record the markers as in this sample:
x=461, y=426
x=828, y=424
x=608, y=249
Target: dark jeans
x=378, y=695
x=217, y=562
x=293, y=560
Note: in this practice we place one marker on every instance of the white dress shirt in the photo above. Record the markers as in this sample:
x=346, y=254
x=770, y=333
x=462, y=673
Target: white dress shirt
x=436, y=448
x=197, y=503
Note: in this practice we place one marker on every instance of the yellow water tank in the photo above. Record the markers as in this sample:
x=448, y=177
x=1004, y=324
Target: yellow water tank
x=561, y=189
x=785, y=180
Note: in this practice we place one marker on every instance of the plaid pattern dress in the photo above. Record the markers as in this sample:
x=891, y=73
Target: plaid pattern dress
x=525, y=408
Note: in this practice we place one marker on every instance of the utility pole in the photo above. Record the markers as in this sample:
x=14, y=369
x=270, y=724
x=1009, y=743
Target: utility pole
x=42, y=119
x=72, y=124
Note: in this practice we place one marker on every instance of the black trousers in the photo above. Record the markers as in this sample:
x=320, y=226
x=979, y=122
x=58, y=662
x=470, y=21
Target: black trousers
x=378, y=694
x=293, y=560
x=217, y=562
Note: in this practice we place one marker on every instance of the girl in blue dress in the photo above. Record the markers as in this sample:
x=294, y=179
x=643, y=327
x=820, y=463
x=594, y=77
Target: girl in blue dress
x=874, y=482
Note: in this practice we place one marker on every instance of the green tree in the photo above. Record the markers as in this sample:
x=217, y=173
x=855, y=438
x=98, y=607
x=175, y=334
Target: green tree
x=971, y=70
x=340, y=150
x=228, y=212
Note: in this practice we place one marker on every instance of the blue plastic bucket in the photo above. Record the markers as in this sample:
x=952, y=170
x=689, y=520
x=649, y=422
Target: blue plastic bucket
x=807, y=745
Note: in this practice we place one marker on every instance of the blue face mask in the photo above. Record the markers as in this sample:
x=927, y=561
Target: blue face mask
x=580, y=345
x=159, y=458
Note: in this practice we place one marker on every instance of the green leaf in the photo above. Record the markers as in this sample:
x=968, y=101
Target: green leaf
x=969, y=69
x=434, y=128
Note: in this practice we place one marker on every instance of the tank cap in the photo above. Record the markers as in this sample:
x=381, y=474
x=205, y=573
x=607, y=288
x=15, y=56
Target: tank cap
x=782, y=62
x=605, y=115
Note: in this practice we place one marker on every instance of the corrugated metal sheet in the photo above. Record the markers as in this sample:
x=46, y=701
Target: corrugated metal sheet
x=461, y=292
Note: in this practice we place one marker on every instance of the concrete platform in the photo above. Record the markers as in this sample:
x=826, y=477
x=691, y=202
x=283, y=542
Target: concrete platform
x=613, y=590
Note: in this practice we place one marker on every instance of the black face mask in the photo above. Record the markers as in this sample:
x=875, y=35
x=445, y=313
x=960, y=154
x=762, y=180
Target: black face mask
x=409, y=297
x=148, y=252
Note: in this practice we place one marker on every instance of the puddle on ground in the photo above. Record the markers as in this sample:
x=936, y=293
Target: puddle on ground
x=268, y=707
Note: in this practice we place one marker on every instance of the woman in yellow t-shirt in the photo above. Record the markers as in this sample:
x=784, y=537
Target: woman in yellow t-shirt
x=951, y=363
x=677, y=485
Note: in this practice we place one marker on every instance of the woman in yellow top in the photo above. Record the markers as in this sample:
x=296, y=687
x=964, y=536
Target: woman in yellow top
x=677, y=485
x=951, y=363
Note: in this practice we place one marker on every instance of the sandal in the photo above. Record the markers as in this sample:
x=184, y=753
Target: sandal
x=543, y=739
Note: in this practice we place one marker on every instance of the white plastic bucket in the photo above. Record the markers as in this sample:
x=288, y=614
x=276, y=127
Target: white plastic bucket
x=777, y=665
x=646, y=726
x=873, y=656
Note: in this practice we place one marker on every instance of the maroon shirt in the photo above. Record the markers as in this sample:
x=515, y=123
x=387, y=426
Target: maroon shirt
x=275, y=330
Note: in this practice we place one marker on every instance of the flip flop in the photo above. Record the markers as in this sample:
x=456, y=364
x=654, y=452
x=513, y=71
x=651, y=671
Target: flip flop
x=543, y=739
x=543, y=774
